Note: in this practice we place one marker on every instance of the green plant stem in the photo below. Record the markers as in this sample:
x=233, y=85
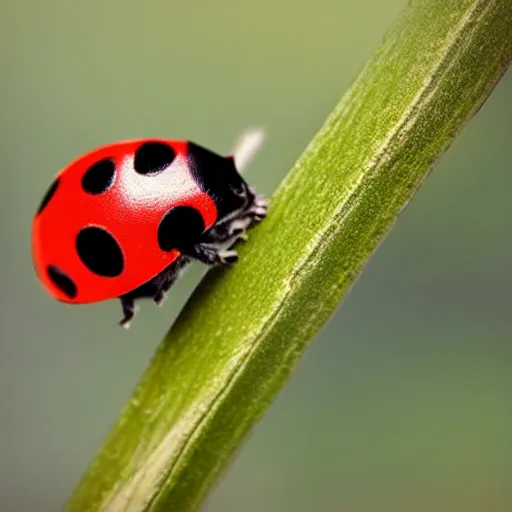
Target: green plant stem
x=245, y=328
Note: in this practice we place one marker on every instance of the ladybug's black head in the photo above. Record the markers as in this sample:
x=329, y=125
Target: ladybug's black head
x=218, y=177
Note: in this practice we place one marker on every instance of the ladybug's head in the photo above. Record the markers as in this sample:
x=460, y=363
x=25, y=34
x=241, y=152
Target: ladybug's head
x=218, y=177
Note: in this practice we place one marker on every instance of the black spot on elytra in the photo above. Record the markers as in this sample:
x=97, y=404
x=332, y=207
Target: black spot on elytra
x=99, y=252
x=62, y=281
x=48, y=196
x=99, y=177
x=218, y=177
x=153, y=157
x=180, y=227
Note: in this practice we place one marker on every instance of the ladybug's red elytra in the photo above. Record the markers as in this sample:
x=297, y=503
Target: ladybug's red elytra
x=123, y=220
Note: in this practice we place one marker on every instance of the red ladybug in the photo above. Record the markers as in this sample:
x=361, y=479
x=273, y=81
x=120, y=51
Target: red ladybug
x=123, y=220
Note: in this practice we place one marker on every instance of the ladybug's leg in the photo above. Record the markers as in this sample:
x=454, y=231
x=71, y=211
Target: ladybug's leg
x=210, y=255
x=254, y=212
x=257, y=210
x=159, y=297
x=230, y=231
x=233, y=230
x=167, y=278
x=128, y=307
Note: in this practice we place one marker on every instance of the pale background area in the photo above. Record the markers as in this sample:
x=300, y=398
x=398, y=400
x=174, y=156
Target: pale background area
x=402, y=403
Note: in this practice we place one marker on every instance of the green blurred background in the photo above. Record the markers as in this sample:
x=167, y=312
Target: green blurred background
x=402, y=403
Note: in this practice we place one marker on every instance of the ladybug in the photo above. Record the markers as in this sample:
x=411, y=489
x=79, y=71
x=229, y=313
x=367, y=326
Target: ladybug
x=123, y=220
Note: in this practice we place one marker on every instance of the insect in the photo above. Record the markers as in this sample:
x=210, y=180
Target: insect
x=122, y=221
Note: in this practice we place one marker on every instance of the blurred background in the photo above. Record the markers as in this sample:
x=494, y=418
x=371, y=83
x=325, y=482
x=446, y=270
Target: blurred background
x=402, y=403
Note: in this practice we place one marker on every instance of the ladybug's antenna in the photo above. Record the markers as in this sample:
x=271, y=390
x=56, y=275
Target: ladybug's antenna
x=246, y=148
